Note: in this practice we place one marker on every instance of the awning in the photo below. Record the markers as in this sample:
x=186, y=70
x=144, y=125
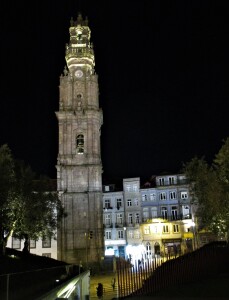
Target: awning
x=171, y=241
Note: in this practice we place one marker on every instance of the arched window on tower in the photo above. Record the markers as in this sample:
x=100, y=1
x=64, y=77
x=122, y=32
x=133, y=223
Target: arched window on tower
x=80, y=144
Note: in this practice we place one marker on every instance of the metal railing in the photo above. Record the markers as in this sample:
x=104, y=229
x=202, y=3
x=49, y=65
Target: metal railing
x=35, y=284
x=157, y=274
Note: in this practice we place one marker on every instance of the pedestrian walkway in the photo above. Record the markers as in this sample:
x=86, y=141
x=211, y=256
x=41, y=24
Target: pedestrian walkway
x=106, y=280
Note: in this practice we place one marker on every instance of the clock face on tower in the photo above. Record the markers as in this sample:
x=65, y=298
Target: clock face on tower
x=78, y=73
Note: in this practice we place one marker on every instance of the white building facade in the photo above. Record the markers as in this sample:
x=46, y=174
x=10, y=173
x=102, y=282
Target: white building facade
x=143, y=222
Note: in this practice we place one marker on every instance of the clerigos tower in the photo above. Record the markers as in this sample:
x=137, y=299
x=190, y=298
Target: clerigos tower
x=79, y=167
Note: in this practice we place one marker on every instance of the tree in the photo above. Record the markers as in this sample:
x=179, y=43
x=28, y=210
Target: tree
x=210, y=186
x=30, y=209
x=7, y=181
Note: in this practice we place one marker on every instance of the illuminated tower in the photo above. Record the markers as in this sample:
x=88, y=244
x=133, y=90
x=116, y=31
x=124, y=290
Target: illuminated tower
x=79, y=167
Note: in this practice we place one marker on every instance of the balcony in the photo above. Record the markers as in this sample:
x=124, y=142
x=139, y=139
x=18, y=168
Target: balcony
x=176, y=218
x=108, y=207
x=119, y=225
x=107, y=225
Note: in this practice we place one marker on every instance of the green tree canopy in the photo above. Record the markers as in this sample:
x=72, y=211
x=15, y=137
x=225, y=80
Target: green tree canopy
x=29, y=207
x=210, y=187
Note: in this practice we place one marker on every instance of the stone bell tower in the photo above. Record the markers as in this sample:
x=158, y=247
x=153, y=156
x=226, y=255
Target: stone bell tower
x=79, y=167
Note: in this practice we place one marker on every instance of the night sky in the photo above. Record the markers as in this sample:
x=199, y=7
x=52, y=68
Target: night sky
x=163, y=81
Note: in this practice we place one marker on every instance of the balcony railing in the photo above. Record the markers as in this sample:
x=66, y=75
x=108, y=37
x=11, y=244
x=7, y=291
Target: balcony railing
x=168, y=218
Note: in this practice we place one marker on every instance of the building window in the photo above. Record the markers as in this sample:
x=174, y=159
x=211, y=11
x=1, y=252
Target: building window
x=119, y=218
x=107, y=188
x=186, y=212
x=163, y=196
x=46, y=242
x=120, y=234
x=165, y=229
x=16, y=243
x=46, y=255
x=161, y=181
x=154, y=229
x=119, y=203
x=146, y=230
x=174, y=213
x=131, y=234
x=184, y=195
x=154, y=212
x=130, y=218
x=144, y=197
x=145, y=214
x=107, y=219
x=172, y=195
x=153, y=197
x=137, y=218
x=136, y=234
x=164, y=212
x=135, y=188
x=148, y=250
x=108, y=235
x=136, y=202
x=128, y=188
x=171, y=180
x=32, y=244
x=80, y=144
x=107, y=203
x=176, y=228
x=129, y=202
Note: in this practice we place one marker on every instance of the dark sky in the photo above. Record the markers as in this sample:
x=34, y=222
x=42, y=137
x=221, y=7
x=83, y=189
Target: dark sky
x=163, y=79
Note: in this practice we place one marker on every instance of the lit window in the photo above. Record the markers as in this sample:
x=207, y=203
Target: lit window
x=107, y=203
x=80, y=144
x=184, y=195
x=120, y=234
x=135, y=187
x=163, y=196
x=119, y=203
x=161, y=181
x=186, y=211
x=154, y=229
x=129, y=202
x=176, y=228
x=144, y=197
x=119, y=218
x=16, y=243
x=145, y=214
x=164, y=212
x=172, y=195
x=108, y=235
x=32, y=244
x=171, y=180
x=128, y=188
x=46, y=242
x=146, y=230
x=148, y=250
x=130, y=218
x=174, y=213
x=137, y=218
x=165, y=229
x=137, y=234
x=107, y=219
x=131, y=234
x=153, y=197
x=154, y=212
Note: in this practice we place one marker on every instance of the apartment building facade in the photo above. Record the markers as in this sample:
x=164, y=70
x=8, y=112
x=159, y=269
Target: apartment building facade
x=144, y=222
